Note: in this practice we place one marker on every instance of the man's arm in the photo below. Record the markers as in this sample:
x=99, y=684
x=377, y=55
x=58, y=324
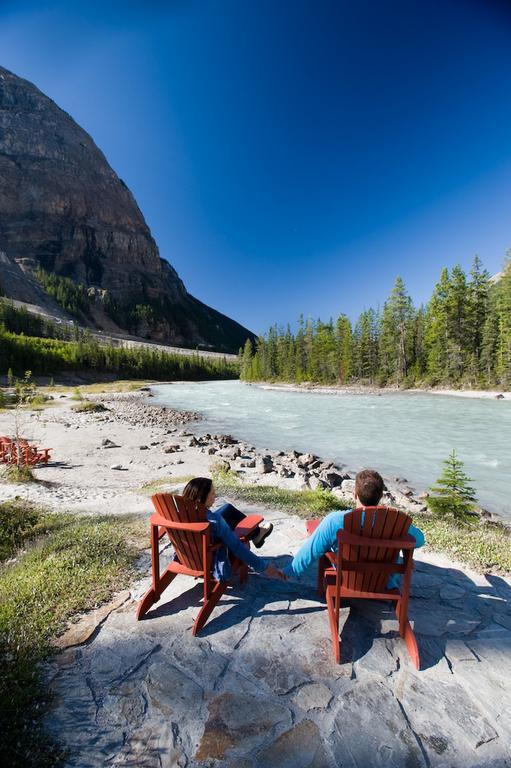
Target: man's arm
x=322, y=540
x=417, y=535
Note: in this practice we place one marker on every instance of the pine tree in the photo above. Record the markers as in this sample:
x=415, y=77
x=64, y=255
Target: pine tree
x=503, y=307
x=396, y=335
x=246, y=361
x=344, y=336
x=477, y=314
x=453, y=495
x=456, y=305
x=435, y=335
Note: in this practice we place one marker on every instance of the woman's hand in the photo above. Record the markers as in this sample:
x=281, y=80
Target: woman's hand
x=274, y=573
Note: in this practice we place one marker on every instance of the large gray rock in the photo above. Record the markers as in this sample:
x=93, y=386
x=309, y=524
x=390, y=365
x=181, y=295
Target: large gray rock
x=264, y=465
x=348, y=487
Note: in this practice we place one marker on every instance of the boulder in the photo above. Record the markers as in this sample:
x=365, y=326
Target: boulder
x=106, y=443
x=316, y=482
x=305, y=459
x=333, y=479
x=226, y=439
x=348, y=487
x=171, y=448
x=143, y=447
x=264, y=465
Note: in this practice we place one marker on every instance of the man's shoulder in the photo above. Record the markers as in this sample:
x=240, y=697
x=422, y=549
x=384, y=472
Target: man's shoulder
x=336, y=517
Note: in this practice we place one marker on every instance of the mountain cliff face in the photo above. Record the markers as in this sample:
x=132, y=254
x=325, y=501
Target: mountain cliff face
x=65, y=212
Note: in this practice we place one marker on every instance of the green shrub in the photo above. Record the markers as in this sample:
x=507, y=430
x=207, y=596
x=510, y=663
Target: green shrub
x=453, y=495
x=11, y=473
x=87, y=406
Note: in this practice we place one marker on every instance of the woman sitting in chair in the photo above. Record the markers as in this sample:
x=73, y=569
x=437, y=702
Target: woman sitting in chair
x=224, y=520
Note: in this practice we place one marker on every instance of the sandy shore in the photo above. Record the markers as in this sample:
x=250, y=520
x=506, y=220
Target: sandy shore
x=361, y=390
x=80, y=476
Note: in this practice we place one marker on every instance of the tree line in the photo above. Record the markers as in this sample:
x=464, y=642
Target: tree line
x=461, y=337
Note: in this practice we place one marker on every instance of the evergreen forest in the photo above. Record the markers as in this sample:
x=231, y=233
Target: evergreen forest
x=460, y=338
x=29, y=342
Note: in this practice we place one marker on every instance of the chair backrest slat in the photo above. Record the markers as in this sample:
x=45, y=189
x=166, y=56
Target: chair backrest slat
x=372, y=523
x=188, y=545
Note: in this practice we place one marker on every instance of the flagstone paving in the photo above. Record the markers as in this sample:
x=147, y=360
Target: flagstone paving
x=259, y=687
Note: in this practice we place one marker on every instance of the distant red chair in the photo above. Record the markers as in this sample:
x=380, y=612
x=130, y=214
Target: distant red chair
x=188, y=529
x=30, y=454
x=368, y=550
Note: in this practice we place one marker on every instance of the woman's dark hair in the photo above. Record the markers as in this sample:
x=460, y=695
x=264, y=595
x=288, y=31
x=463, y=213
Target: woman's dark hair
x=369, y=487
x=198, y=489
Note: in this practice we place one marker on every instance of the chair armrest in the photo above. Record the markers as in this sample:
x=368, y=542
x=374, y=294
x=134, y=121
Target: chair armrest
x=311, y=525
x=248, y=525
x=192, y=527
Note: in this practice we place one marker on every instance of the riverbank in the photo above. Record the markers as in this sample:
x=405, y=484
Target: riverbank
x=110, y=461
x=358, y=389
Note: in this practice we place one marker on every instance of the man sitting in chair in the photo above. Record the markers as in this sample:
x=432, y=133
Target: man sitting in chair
x=368, y=492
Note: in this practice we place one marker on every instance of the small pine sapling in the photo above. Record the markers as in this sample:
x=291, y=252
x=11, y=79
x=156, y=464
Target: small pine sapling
x=453, y=493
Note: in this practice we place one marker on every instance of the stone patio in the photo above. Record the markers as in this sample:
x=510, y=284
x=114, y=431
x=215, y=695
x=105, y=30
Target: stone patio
x=259, y=687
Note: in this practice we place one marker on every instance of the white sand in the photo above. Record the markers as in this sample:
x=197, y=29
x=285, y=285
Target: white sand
x=79, y=478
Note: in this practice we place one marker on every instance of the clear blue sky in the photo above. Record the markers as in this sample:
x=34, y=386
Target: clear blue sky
x=292, y=156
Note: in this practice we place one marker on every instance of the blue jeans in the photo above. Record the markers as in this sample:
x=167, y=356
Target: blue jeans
x=221, y=531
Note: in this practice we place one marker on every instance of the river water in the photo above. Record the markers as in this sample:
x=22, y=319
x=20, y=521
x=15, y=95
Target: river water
x=402, y=434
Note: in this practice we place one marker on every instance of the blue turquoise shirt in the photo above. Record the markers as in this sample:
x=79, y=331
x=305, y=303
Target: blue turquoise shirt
x=324, y=539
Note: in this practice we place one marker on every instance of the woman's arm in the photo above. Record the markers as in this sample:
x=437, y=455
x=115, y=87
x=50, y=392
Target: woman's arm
x=236, y=546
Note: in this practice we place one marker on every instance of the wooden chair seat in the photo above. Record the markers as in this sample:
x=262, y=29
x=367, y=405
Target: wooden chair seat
x=188, y=529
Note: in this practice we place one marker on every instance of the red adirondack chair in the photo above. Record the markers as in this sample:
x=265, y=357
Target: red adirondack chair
x=30, y=454
x=187, y=527
x=368, y=550
x=5, y=448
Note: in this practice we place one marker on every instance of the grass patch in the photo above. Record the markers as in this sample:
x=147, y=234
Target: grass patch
x=20, y=522
x=302, y=503
x=482, y=546
x=11, y=473
x=159, y=485
x=73, y=566
x=86, y=406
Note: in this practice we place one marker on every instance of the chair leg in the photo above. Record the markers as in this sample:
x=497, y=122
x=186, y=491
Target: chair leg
x=209, y=604
x=152, y=596
x=243, y=573
x=322, y=566
x=334, y=626
x=407, y=633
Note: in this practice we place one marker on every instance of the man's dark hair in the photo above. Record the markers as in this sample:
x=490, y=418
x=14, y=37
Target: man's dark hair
x=369, y=487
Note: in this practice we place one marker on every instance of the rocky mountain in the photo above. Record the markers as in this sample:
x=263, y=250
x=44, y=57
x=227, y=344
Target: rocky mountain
x=72, y=235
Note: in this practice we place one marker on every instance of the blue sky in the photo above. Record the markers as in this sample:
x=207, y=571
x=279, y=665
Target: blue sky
x=292, y=156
